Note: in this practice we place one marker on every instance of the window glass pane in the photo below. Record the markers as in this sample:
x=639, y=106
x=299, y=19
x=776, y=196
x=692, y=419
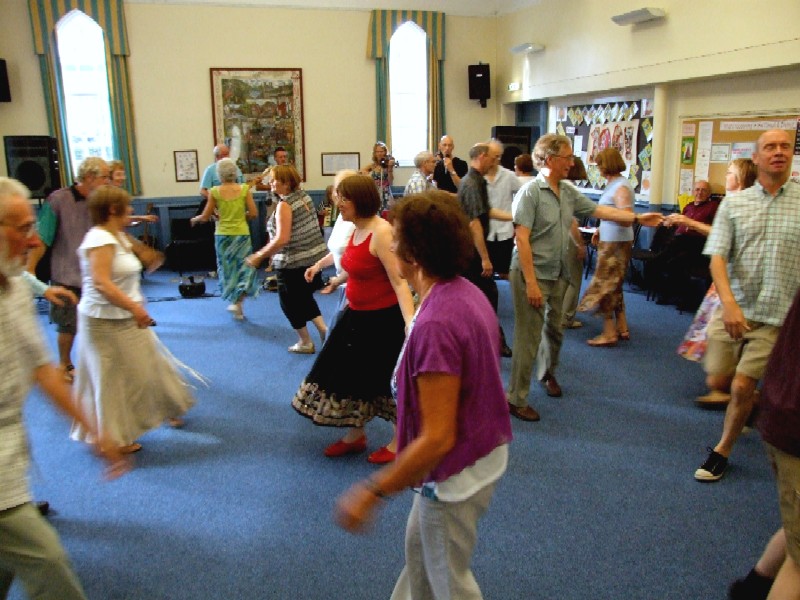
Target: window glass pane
x=408, y=84
x=86, y=103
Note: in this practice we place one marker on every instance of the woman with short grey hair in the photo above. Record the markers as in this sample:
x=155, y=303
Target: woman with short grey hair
x=235, y=206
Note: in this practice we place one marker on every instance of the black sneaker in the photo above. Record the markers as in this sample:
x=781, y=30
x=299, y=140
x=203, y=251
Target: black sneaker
x=714, y=467
x=752, y=587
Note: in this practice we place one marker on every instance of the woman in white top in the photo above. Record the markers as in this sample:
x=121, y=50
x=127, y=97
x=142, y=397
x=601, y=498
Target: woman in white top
x=126, y=381
x=337, y=242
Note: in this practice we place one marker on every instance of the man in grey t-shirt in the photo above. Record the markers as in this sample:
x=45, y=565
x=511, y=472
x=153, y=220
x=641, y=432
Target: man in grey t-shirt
x=543, y=213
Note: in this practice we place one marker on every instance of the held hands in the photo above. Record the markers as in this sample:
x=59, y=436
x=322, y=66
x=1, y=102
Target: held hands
x=651, y=219
x=333, y=284
x=675, y=219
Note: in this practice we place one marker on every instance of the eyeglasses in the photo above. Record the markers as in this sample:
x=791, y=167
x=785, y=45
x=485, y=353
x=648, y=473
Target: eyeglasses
x=27, y=231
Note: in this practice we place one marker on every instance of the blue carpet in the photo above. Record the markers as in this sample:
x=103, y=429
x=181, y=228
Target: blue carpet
x=598, y=502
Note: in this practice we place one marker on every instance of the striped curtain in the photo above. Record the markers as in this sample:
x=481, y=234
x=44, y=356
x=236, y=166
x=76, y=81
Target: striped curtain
x=382, y=25
x=109, y=14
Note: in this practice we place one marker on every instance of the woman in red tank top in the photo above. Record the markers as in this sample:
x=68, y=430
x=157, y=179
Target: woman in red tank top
x=349, y=382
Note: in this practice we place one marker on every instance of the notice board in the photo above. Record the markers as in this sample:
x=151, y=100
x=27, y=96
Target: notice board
x=709, y=144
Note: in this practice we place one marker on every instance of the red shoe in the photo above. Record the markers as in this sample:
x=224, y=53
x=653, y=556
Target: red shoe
x=341, y=447
x=381, y=456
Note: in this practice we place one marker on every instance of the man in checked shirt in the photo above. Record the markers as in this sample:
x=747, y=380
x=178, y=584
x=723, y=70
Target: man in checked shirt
x=755, y=262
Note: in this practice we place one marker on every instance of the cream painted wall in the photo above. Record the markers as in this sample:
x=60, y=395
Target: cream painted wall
x=25, y=114
x=586, y=52
x=586, y=58
x=709, y=57
x=469, y=41
x=169, y=68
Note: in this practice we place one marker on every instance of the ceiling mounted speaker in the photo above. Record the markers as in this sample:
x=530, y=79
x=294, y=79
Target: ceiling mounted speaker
x=640, y=15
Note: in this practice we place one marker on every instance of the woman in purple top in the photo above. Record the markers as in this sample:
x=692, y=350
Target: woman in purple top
x=452, y=416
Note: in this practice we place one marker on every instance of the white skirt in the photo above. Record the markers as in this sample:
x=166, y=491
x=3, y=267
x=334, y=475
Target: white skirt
x=126, y=381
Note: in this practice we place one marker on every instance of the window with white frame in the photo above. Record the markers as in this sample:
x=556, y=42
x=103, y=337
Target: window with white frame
x=84, y=74
x=408, y=85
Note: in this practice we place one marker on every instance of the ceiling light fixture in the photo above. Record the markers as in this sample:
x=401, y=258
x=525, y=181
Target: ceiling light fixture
x=640, y=15
x=527, y=48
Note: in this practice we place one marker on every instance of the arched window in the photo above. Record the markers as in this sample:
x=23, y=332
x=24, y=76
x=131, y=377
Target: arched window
x=383, y=25
x=408, y=85
x=84, y=77
x=55, y=25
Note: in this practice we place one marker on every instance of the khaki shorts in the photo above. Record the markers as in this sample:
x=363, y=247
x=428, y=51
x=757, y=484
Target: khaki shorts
x=747, y=356
x=66, y=317
x=787, y=471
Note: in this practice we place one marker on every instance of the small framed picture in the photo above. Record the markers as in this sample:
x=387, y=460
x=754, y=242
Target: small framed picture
x=333, y=162
x=186, y=165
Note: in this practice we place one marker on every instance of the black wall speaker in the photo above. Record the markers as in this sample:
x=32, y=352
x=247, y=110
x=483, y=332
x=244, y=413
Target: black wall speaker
x=33, y=159
x=5, y=90
x=479, y=84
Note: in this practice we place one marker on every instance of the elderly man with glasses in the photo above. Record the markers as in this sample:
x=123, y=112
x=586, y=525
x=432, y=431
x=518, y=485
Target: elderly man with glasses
x=682, y=258
x=29, y=547
x=543, y=211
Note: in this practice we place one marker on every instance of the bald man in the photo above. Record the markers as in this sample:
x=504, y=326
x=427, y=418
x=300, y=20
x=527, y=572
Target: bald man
x=683, y=257
x=449, y=168
x=210, y=177
x=755, y=253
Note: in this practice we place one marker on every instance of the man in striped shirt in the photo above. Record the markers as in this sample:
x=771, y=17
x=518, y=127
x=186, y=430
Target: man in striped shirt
x=29, y=546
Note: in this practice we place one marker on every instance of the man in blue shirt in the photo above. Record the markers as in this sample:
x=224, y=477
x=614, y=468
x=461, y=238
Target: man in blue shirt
x=210, y=178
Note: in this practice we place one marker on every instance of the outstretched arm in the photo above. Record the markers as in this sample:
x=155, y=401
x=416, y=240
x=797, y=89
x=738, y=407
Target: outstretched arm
x=51, y=381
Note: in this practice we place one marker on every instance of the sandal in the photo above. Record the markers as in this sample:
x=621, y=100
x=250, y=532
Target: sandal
x=601, y=342
x=69, y=373
x=299, y=348
x=624, y=336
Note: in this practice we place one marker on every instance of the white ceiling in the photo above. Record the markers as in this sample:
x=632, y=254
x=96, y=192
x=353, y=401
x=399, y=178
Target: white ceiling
x=464, y=8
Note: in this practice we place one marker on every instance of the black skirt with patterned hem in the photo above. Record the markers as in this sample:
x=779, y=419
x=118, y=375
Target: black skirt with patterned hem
x=349, y=382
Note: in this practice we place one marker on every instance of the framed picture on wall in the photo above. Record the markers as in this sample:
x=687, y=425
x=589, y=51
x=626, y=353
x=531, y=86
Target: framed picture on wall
x=256, y=111
x=333, y=162
x=186, y=165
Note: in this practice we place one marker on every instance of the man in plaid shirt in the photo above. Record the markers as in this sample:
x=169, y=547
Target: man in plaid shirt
x=755, y=262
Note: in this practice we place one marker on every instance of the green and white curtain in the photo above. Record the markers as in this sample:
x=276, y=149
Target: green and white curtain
x=382, y=25
x=109, y=14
